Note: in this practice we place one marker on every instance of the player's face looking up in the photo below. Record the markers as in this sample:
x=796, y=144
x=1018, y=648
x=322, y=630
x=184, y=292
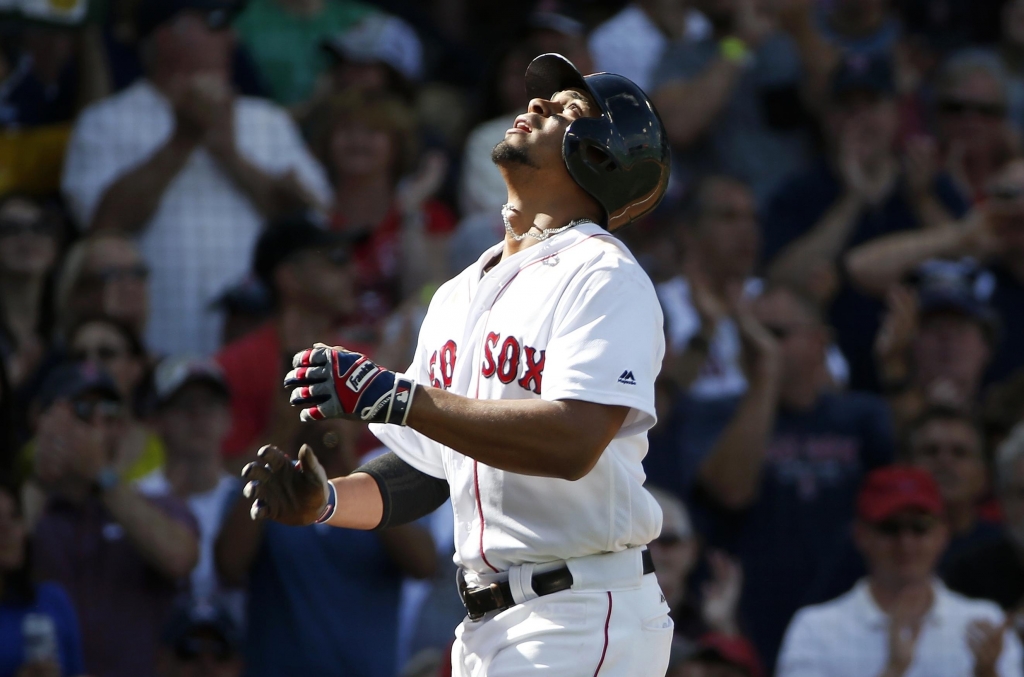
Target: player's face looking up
x=535, y=138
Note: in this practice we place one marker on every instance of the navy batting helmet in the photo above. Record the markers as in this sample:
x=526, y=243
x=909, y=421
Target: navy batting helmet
x=620, y=158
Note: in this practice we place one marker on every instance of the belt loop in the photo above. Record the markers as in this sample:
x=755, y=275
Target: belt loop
x=520, y=582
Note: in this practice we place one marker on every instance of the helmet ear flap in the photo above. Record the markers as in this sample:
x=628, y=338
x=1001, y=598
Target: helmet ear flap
x=586, y=144
x=591, y=163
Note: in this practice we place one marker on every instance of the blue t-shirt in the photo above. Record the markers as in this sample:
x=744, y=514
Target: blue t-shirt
x=323, y=602
x=679, y=442
x=814, y=464
x=52, y=601
x=793, y=212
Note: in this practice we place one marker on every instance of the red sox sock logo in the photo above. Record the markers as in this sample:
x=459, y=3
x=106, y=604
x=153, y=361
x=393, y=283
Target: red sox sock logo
x=502, y=359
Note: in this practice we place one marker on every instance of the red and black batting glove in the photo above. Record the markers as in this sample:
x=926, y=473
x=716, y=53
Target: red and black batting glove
x=336, y=383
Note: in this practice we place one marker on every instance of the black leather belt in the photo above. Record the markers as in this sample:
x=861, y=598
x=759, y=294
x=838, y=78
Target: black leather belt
x=498, y=596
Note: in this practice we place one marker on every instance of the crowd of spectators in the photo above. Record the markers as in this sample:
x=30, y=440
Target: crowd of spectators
x=193, y=190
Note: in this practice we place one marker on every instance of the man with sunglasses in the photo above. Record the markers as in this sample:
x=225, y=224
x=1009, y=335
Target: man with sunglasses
x=900, y=620
x=949, y=444
x=120, y=555
x=973, y=91
x=190, y=167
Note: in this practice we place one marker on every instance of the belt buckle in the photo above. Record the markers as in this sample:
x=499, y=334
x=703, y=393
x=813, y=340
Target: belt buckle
x=471, y=597
x=464, y=595
x=498, y=596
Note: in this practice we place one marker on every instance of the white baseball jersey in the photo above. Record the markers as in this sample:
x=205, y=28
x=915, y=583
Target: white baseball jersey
x=573, y=317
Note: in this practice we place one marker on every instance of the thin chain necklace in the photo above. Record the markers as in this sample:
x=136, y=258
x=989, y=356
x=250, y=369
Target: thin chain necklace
x=543, y=235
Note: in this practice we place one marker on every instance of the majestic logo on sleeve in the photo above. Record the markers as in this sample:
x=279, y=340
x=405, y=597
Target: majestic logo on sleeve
x=503, y=359
x=627, y=378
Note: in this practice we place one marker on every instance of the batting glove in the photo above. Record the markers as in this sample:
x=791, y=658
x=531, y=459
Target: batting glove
x=295, y=493
x=336, y=383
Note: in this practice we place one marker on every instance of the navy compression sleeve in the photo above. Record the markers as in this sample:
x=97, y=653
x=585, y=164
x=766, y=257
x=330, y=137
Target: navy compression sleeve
x=407, y=493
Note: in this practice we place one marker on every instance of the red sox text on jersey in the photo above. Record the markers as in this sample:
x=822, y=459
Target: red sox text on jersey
x=502, y=359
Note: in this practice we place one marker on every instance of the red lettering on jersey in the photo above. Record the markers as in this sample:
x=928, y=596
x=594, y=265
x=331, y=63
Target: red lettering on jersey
x=489, y=366
x=433, y=362
x=534, y=369
x=442, y=364
x=508, y=360
x=447, y=363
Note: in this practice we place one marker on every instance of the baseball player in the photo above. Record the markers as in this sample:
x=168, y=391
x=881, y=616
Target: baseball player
x=527, y=402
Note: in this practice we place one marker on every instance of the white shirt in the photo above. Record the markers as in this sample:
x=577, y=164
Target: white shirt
x=574, y=317
x=848, y=637
x=209, y=509
x=630, y=44
x=201, y=238
x=721, y=375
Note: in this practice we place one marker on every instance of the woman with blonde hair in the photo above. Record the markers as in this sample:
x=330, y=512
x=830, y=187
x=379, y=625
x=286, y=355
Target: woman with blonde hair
x=399, y=230
x=103, y=274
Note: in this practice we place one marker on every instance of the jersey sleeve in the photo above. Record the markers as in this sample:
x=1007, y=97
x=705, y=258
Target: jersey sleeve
x=417, y=450
x=607, y=344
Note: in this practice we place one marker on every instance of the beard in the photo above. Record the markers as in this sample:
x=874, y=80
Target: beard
x=505, y=154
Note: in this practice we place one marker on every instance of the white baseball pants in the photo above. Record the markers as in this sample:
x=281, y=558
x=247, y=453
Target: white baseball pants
x=613, y=623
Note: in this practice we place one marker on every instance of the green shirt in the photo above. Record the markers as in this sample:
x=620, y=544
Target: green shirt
x=286, y=47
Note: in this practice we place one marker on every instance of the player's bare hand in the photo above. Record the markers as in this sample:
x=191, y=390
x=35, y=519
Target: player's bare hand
x=292, y=493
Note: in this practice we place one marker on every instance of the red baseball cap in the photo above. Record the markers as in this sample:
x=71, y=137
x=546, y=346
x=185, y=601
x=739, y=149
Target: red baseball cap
x=890, y=490
x=732, y=649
